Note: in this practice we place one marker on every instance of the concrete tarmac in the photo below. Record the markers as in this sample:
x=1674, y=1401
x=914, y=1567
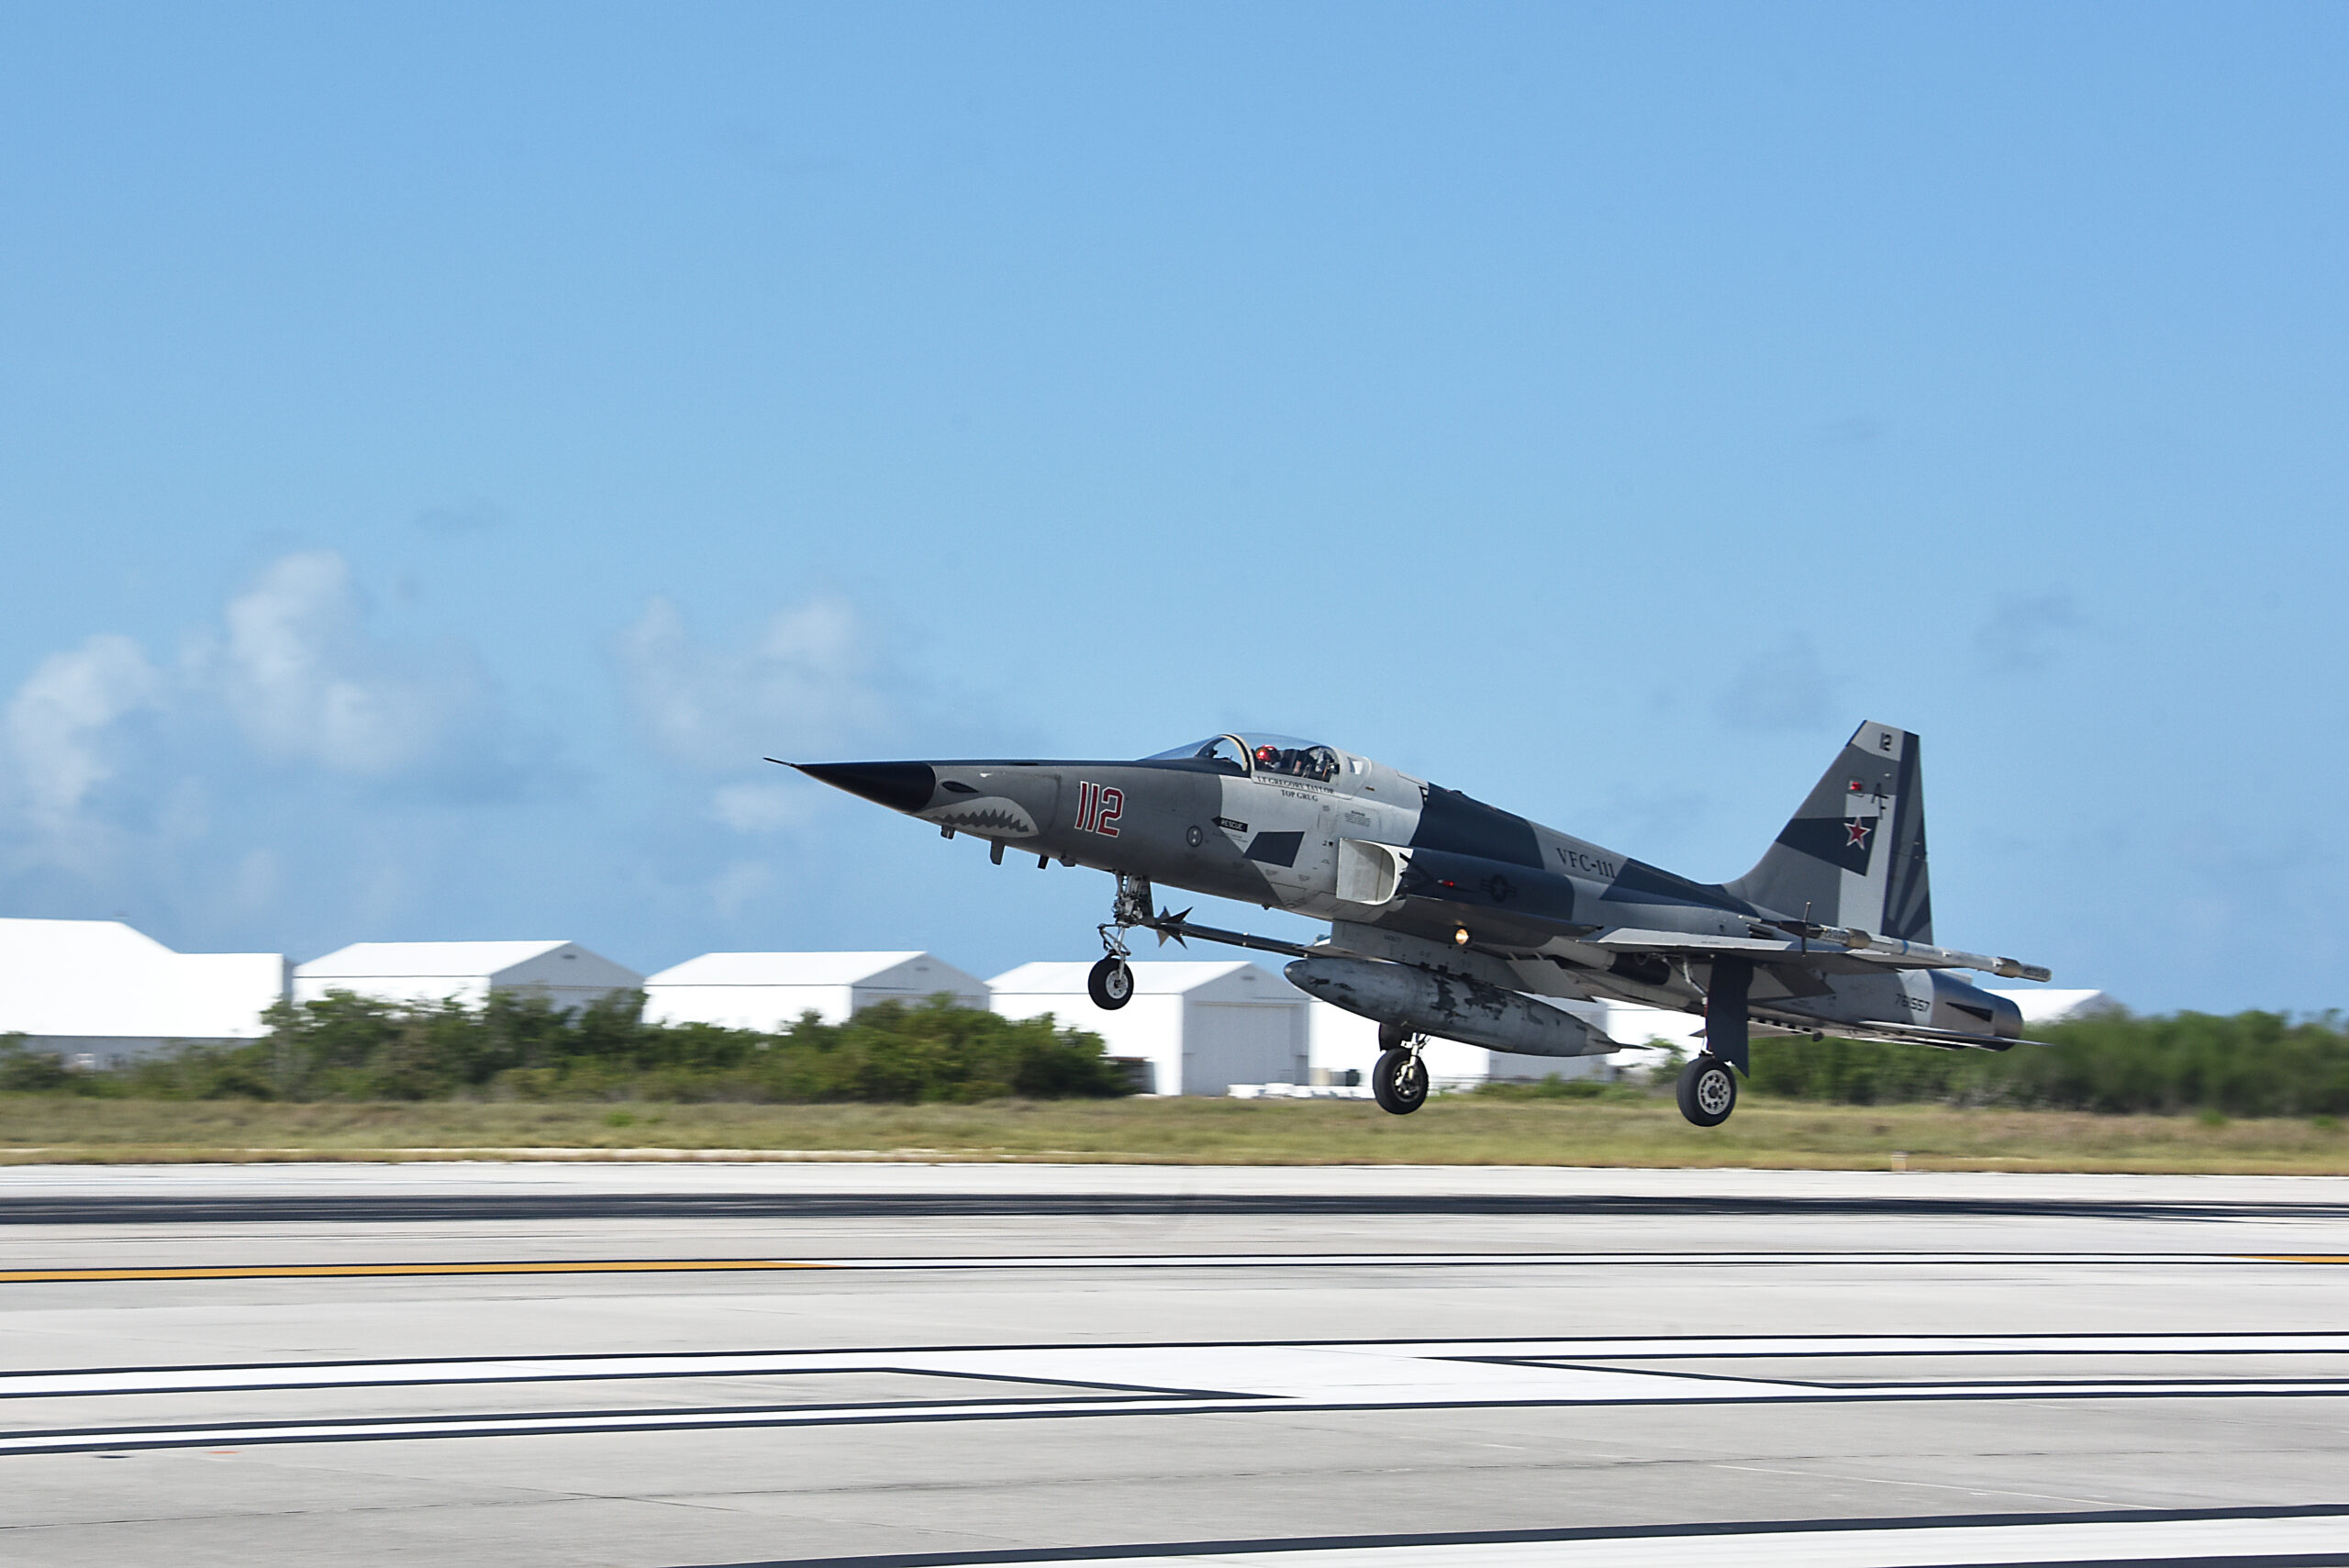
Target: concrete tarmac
x=692, y=1363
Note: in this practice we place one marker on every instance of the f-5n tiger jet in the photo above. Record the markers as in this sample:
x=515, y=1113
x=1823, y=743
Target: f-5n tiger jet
x=1452, y=918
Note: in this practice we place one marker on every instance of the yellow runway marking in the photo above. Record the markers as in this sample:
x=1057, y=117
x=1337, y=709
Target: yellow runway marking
x=332, y=1271
x=2299, y=1258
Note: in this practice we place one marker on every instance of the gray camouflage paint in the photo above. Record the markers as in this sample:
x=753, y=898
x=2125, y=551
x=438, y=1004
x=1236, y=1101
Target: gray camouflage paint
x=1558, y=911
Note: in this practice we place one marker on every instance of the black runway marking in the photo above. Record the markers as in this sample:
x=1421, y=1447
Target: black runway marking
x=444, y=1208
x=1105, y=1382
x=381, y=1428
x=1599, y=1532
x=1709, y=1346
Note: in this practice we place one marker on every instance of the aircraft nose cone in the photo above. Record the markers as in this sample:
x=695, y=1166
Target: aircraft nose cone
x=900, y=786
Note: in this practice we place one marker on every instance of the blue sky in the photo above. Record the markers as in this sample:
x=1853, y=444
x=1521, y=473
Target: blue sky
x=441, y=449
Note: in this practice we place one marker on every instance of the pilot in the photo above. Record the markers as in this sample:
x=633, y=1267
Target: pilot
x=1267, y=759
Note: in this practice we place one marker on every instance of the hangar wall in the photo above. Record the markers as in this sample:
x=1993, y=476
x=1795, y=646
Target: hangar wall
x=100, y=994
x=770, y=991
x=1201, y=1026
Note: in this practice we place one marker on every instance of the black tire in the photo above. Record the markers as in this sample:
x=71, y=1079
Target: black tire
x=1399, y=1081
x=1708, y=1090
x=1111, y=984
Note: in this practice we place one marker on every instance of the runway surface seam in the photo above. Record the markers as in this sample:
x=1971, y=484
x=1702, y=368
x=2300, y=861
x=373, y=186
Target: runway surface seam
x=422, y=1270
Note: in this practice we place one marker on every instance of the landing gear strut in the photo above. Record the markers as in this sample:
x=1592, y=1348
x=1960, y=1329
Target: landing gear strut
x=1399, y=1081
x=1708, y=1088
x=1111, y=982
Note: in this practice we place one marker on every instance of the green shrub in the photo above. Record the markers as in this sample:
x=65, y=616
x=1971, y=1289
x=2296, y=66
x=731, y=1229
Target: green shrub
x=2251, y=1065
x=354, y=1048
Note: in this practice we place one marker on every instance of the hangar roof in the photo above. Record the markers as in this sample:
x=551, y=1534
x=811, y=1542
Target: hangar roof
x=1173, y=977
x=379, y=960
x=792, y=968
x=2042, y=1006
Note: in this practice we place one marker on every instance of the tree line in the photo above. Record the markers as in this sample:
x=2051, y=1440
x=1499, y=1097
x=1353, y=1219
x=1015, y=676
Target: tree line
x=518, y=1047
x=2248, y=1064
x=513, y=1047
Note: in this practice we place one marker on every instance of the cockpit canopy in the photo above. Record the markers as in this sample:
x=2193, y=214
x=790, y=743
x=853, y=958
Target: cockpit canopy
x=1283, y=754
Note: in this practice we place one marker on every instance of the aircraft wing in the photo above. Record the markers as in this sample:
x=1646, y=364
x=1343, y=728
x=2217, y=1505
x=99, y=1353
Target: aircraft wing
x=1886, y=1033
x=1821, y=947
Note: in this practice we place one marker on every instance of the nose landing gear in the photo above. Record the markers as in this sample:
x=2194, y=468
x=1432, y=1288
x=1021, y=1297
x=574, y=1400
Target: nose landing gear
x=1111, y=982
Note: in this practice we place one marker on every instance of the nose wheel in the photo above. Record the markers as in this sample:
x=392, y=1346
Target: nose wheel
x=1111, y=982
x=1399, y=1081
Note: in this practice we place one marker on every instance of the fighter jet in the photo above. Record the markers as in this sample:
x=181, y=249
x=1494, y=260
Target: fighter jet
x=1451, y=919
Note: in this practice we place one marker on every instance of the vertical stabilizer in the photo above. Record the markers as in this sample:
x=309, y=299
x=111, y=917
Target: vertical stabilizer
x=1854, y=854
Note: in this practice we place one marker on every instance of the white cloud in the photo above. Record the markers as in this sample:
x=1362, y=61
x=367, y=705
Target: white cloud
x=290, y=674
x=809, y=683
x=758, y=807
x=307, y=684
x=1785, y=687
x=2023, y=636
x=61, y=724
x=733, y=889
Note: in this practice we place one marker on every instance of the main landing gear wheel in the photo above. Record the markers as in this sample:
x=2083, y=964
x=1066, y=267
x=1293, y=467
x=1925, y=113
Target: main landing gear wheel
x=1111, y=984
x=1399, y=1081
x=1708, y=1090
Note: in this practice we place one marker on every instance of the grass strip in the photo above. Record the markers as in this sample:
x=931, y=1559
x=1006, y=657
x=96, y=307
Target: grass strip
x=1466, y=1130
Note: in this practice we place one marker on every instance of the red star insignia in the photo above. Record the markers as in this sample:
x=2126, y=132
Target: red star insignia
x=1859, y=832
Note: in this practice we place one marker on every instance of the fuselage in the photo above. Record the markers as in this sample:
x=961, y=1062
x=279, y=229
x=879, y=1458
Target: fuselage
x=1332, y=835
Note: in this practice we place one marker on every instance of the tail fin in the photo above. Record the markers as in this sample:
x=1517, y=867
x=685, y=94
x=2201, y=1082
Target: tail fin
x=1854, y=854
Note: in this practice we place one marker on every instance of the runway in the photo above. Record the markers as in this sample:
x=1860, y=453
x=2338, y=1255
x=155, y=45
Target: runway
x=1313, y=1368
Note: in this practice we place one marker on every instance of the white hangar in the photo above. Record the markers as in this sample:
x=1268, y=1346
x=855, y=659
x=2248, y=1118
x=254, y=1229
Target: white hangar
x=98, y=994
x=566, y=975
x=1202, y=1026
x=769, y=991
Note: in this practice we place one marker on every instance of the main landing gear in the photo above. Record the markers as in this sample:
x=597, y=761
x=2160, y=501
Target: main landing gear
x=1708, y=1090
x=1111, y=982
x=1399, y=1081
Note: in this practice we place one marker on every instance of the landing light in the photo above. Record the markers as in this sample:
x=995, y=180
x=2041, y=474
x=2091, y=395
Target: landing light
x=1460, y=937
